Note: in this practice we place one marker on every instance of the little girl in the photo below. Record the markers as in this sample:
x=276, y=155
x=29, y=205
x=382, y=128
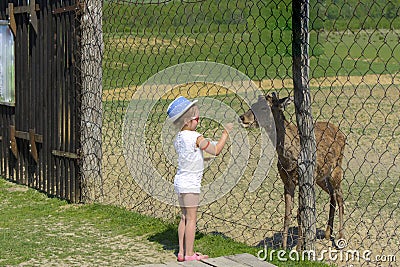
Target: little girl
x=189, y=146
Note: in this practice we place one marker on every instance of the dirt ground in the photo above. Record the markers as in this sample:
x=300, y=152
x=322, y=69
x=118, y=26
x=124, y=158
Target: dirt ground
x=124, y=251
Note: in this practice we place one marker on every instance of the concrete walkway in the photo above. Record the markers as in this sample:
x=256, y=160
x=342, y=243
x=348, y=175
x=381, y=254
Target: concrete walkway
x=239, y=260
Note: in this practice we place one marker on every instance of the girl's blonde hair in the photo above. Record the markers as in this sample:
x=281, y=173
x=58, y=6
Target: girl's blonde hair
x=186, y=117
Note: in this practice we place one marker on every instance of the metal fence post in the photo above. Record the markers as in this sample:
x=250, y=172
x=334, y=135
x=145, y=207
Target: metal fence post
x=307, y=156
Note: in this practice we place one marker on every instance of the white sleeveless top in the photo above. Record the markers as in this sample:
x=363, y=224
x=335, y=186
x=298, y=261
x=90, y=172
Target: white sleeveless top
x=190, y=163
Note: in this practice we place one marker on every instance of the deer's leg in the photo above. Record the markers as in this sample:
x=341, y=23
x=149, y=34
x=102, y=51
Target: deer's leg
x=326, y=185
x=340, y=201
x=336, y=193
x=289, y=196
x=332, y=208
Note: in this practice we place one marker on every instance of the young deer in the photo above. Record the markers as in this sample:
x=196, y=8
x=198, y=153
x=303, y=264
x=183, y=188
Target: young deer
x=328, y=171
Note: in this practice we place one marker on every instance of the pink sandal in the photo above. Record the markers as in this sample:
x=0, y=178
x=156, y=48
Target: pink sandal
x=196, y=257
x=181, y=258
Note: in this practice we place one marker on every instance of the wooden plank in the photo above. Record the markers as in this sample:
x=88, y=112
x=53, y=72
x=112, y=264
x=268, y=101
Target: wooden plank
x=25, y=135
x=27, y=9
x=249, y=260
x=32, y=104
x=178, y=264
x=223, y=261
x=23, y=116
x=153, y=265
x=13, y=141
x=53, y=101
x=9, y=161
x=30, y=101
x=47, y=78
x=70, y=88
x=33, y=16
x=64, y=154
x=41, y=107
x=63, y=106
x=195, y=264
x=57, y=101
x=239, y=260
x=22, y=113
x=37, y=115
x=13, y=24
x=174, y=264
x=33, y=149
x=18, y=88
x=66, y=9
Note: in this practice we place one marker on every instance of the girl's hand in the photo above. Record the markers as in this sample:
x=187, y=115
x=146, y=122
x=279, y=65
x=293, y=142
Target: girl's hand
x=228, y=127
x=212, y=147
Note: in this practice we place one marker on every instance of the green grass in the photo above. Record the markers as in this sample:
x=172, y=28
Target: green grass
x=39, y=230
x=255, y=38
x=132, y=60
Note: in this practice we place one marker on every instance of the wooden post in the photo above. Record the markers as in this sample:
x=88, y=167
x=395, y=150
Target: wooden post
x=302, y=99
x=91, y=120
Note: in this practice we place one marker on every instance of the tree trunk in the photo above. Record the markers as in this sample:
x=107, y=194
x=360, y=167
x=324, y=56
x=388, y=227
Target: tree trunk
x=302, y=99
x=91, y=120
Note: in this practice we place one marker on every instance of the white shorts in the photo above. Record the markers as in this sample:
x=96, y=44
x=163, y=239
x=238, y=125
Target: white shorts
x=186, y=190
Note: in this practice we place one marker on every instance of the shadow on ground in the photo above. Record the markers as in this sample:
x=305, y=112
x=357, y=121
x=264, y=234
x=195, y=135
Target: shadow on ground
x=169, y=238
x=276, y=241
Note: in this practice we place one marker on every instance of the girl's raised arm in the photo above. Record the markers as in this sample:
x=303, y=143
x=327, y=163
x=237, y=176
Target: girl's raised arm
x=211, y=148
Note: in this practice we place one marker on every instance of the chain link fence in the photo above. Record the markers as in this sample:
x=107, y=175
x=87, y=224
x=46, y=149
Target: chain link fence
x=354, y=83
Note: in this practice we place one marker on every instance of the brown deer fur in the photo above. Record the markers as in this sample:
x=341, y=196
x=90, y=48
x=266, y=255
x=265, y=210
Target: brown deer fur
x=328, y=171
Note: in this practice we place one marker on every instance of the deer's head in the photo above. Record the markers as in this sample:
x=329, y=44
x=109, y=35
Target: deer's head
x=261, y=108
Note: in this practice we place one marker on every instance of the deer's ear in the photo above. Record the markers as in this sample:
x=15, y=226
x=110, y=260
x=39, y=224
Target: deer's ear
x=269, y=99
x=284, y=102
x=274, y=96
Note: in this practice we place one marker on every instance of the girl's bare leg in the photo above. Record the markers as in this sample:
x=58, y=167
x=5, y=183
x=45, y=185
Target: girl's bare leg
x=190, y=205
x=190, y=230
x=181, y=232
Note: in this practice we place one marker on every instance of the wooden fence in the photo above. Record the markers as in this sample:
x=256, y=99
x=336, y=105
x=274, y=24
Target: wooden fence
x=40, y=131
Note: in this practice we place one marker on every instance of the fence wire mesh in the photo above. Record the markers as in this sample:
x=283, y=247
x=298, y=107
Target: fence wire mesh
x=354, y=82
